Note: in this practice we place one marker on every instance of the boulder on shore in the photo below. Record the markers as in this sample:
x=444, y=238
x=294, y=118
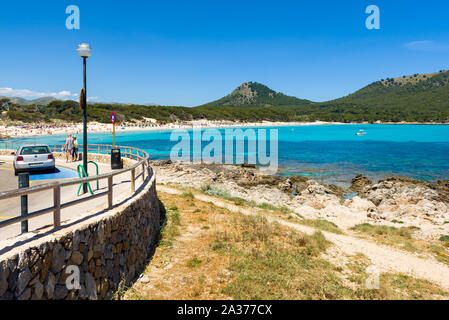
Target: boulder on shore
x=359, y=183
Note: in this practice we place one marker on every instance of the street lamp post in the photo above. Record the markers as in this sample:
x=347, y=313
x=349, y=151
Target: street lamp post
x=84, y=51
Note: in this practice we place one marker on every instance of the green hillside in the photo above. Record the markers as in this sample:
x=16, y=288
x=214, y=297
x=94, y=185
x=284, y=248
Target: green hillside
x=415, y=98
x=24, y=102
x=421, y=98
x=253, y=94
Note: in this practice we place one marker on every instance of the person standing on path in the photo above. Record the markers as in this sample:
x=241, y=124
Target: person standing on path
x=75, y=149
x=68, y=148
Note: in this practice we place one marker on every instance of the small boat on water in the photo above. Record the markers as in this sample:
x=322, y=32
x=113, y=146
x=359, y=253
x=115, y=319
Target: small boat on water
x=361, y=133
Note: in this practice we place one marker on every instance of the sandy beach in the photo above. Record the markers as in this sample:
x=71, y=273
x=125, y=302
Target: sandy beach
x=28, y=130
x=15, y=131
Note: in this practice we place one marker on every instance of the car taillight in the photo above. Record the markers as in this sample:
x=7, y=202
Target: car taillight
x=19, y=158
x=50, y=157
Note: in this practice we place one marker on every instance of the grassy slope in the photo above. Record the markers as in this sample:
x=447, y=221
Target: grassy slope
x=400, y=99
x=207, y=252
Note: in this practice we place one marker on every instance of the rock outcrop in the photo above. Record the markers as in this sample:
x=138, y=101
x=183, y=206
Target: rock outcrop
x=359, y=183
x=408, y=201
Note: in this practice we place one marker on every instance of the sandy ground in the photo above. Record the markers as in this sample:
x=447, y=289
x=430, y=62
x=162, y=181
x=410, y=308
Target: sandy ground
x=151, y=125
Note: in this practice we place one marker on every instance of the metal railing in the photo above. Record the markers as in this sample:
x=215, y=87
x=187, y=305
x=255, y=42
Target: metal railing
x=138, y=155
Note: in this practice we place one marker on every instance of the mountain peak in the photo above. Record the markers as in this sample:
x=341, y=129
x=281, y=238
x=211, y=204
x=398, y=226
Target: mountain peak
x=254, y=94
x=253, y=86
x=25, y=102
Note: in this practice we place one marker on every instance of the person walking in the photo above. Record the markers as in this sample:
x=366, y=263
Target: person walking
x=75, y=149
x=68, y=148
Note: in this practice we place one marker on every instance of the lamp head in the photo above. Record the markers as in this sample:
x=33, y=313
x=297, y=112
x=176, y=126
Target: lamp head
x=84, y=50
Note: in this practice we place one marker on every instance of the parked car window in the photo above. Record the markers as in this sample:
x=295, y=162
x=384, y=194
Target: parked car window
x=35, y=150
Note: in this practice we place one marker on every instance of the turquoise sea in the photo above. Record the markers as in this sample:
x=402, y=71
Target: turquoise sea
x=329, y=153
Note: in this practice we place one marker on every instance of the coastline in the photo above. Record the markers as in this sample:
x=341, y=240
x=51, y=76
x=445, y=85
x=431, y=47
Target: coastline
x=33, y=130
x=391, y=199
x=17, y=131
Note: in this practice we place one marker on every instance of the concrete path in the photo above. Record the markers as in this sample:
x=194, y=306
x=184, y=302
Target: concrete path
x=11, y=207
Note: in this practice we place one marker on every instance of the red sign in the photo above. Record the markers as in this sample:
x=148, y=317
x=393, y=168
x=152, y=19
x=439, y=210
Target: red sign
x=113, y=117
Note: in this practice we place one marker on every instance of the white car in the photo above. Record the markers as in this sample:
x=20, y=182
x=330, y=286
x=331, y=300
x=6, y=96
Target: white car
x=33, y=157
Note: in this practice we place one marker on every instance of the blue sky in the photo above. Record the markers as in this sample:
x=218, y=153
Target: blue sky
x=191, y=52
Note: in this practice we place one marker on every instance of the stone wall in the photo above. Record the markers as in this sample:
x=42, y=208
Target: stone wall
x=108, y=250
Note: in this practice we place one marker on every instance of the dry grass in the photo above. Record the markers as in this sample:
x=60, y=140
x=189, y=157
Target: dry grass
x=183, y=267
x=269, y=261
x=208, y=252
x=402, y=238
x=321, y=225
x=170, y=228
x=393, y=286
x=440, y=252
x=216, y=192
x=398, y=237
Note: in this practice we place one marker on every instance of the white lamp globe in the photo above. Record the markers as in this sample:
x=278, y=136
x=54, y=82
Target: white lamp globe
x=84, y=50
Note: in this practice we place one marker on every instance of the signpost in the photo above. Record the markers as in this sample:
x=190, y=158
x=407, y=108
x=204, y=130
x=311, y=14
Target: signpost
x=113, y=118
x=116, y=159
x=83, y=105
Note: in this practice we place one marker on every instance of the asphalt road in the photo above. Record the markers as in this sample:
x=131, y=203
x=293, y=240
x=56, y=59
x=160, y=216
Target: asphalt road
x=8, y=181
x=11, y=207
